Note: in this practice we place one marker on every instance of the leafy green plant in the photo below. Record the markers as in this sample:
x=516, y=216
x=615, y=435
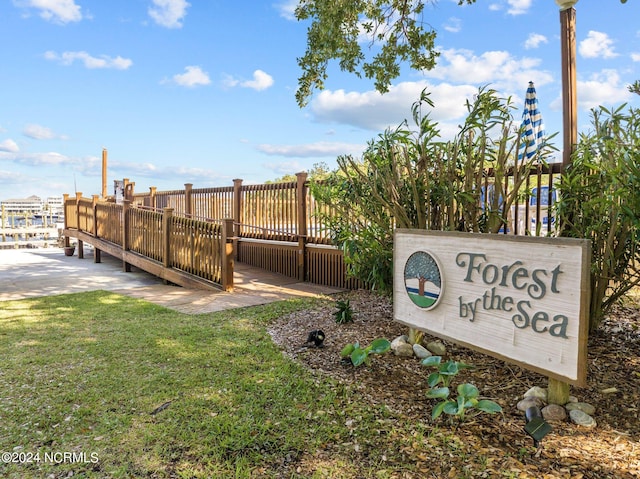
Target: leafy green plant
x=409, y=178
x=467, y=399
x=600, y=201
x=468, y=394
x=344, y=313
x=360, y=355
x=446, y=371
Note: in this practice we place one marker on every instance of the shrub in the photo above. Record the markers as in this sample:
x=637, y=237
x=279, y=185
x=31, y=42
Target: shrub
x=411, y=179
x=600, y=201
x=343, y=313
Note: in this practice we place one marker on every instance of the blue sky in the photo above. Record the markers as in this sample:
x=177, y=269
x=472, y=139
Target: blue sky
x=203, y=91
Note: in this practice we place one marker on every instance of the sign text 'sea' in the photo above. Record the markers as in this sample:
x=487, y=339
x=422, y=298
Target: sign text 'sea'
x=536, y=283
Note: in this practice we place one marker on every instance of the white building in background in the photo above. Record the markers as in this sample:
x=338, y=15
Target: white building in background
x=54, y=205
x=33, y=206
x=30, y=206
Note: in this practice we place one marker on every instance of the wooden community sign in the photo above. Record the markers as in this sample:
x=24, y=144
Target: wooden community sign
x=521, y=299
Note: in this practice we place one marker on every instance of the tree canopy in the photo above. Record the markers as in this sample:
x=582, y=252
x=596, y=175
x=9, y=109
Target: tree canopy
x=396, y=27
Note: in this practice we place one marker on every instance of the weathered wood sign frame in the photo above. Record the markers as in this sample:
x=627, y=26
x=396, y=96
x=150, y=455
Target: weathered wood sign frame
x=521, y=299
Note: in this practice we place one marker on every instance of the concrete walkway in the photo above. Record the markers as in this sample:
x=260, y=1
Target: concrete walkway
x=29, y=273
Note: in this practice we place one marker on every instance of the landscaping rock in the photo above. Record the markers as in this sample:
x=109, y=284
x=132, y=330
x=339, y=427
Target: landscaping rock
x=581, y=418
x=421, y=352
x=554, y=412
x=581, y=406
x=537, y=392
x=528, y=402
x=404, y=339
x=437, y=348
x=404, y=350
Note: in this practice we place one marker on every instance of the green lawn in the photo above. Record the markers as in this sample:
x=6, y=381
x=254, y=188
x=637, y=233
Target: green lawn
x=82, y=374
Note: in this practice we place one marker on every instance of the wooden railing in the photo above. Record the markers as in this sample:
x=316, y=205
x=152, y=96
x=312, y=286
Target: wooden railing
x=275, y=226
x=181, y=250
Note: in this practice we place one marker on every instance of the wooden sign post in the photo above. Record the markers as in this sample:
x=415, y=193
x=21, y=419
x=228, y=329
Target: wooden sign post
x=518, y=298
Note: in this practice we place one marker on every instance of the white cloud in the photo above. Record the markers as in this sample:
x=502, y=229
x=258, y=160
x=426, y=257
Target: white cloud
x=169, y=13
x=498, y=68
x=9, y=146
x=518, y=7
x=91, y=62
x=373, y=111
x=635, y=57
x=453, y=25
x=604, y=88
x=150, y=170
x=43, y=159
x=284, y=168
x=534, y=41
x=311, y=150
x=192, y=77
x=261, y=81
x=287, y=9
x=57, y=11
x=597, y=45
x=38, y=132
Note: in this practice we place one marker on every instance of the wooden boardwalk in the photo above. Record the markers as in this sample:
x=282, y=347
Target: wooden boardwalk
x=252, y=287
x=30, y=273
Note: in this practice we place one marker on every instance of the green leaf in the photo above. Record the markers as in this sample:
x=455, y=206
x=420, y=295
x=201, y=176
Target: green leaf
x=468, y=390
x=450, y=368
x=433, y=379
x=358, y=356
x=347, y=350
x=438, y=393
x=438, y=409
x=431, y=361
x=451, y=407
x=379, y=346
x=462, y=365
x=488, y=406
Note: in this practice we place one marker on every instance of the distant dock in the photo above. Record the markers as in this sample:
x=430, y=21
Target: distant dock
x=29, y=237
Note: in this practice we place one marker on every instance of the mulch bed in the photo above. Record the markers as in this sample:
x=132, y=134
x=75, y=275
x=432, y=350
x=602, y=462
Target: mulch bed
x=611, y=450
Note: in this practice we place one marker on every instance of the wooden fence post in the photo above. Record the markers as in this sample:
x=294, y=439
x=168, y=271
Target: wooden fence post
x=227, y=254
x=167, y=213
x=128, y=189
x=80, y=243
x=237, y=205
x=96, y=251
x=301, y=201
x=65, y=198
x=125, y=234
x=153, y=201
x=188, y=206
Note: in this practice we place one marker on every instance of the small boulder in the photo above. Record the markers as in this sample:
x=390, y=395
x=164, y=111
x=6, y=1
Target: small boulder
x=537, y=392
x=581, y=418
x=421, y=352
x=404, y=350
x=404, y=339
x=581, y=406
x=554, y=412
x=526, y=403
x=437, y=348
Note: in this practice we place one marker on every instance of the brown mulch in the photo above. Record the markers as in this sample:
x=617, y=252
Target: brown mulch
x=485, y=445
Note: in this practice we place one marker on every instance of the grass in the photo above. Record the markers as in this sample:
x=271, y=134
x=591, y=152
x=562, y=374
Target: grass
x=130, y=389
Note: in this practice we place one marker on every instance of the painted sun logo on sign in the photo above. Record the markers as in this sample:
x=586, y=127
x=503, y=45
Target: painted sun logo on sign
x=423, y=280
